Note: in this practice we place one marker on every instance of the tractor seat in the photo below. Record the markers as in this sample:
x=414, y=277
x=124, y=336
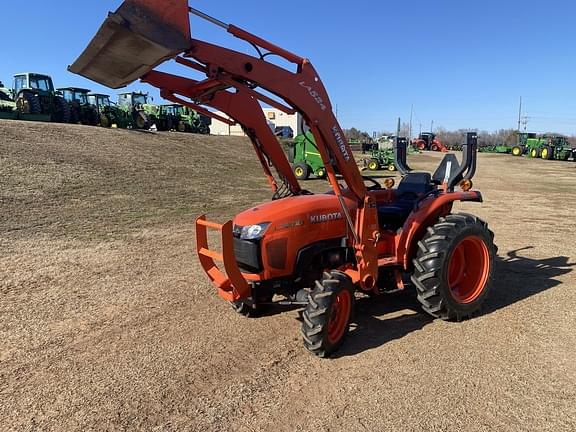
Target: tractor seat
x=414, y=185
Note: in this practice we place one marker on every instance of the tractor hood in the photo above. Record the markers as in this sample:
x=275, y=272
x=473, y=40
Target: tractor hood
x=314, y=213
x=135, y=39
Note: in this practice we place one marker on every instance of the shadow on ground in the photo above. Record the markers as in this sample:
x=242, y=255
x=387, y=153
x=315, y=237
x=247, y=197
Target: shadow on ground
x=517, y=278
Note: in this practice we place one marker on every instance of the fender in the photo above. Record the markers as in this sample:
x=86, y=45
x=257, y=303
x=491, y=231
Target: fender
x=426, y=215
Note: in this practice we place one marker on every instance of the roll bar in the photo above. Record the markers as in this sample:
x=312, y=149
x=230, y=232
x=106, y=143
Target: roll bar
x=450, y=172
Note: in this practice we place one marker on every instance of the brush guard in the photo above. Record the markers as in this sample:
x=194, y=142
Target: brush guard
x=232, y=286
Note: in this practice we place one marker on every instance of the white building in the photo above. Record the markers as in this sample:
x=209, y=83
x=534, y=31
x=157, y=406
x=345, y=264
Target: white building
x=275, y=117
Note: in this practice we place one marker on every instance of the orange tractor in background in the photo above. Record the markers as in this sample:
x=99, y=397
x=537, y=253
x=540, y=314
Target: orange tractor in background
x=316, y=251
x=428, y=141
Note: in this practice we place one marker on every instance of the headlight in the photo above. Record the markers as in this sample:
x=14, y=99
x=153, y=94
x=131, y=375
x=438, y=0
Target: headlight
x=254, y=232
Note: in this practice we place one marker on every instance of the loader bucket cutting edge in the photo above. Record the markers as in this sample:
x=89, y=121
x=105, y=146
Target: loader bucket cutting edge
x=135, y=39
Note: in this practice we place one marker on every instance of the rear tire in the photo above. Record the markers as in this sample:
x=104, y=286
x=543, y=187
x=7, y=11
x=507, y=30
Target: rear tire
x=373, y=165
x=105, y=121
x=142, y=121
x=28, y=103
x=454, y=267
x=326, y=319
x=61, y=110
x=547, y=153
x=302, y=171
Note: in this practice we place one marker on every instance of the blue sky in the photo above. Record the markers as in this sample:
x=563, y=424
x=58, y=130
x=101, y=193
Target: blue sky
x=462, y=64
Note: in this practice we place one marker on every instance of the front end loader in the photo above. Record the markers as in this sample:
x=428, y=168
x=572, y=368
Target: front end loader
x=315, y=251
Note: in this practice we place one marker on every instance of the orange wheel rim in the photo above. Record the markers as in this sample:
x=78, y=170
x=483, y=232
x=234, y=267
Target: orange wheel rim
x=468, y=269
x=339, y=316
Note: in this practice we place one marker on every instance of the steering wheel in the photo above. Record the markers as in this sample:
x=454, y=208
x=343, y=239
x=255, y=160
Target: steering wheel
x=375, y=184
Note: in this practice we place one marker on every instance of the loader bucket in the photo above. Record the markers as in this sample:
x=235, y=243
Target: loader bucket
x=135, y=39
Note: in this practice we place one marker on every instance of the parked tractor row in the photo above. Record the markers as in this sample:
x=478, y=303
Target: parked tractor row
x=34, y=97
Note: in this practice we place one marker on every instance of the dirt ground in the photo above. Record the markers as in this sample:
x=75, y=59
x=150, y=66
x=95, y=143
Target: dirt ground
x=108, y=323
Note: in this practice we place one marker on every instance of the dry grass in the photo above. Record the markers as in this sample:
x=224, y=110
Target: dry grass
x=108, y=323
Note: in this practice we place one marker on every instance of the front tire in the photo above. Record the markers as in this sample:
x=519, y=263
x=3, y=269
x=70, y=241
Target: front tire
x=326, y=319
x=517, y=151
x=454, y=267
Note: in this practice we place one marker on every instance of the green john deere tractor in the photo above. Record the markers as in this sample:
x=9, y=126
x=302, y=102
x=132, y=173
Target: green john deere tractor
x=110, y=114
x=81, y=110
x=36, y=98
x=557, y=148
x=185, y=119
x=382, y=156
x=7, y=104
x=305, y=157
x=545, y=147
x=140, y=114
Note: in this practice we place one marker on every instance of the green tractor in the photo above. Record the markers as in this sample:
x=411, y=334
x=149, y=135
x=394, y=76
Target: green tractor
x=557, y=148
x=528, y=144
x=140, y=114
x=185, y=119
x=545, y=147
x=305, y=157
x=36, y=98
x=7, y=104
x=110, y=114
x=382, y=156
x=81, y=110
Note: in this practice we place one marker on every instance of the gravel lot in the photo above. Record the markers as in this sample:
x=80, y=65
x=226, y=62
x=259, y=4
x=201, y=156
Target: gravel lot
x=108, y=323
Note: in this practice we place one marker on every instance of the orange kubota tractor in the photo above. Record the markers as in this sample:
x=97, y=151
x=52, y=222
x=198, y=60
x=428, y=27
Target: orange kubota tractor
x=311, y=250
x=428, y=141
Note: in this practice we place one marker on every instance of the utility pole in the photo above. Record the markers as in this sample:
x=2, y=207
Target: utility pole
x=520, y=115
x=410, y=127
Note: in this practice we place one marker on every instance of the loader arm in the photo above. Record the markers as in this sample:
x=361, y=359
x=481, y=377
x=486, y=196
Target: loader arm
x=241, y=107
x=143, y=34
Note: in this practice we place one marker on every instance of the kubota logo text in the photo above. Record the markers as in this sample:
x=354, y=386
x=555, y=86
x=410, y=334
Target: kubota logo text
x=329, y=217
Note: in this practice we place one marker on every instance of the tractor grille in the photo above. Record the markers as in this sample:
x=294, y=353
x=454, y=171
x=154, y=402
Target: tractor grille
x=248, y=256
